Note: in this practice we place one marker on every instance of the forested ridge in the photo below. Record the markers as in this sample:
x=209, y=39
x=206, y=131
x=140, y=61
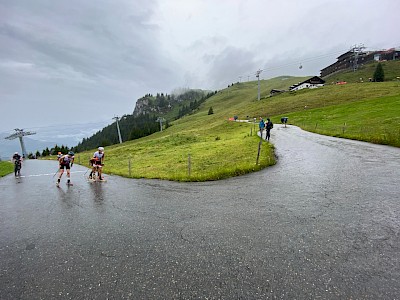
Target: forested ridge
x=144, y=119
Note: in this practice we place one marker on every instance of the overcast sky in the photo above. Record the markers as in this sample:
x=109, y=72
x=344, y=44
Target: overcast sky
x=73, y=62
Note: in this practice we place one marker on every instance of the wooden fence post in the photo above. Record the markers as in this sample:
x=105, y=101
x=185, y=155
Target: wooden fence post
x=259, y=147
x=189, y=165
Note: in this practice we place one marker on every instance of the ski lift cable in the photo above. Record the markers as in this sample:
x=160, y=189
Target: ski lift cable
x=59, y=125
x=316, y=57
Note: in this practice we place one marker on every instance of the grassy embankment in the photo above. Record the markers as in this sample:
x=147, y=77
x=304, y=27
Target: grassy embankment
x=6, y=168
x=219, y=149
x=362, y=111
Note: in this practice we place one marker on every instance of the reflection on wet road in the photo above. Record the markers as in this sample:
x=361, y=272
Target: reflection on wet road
x=322, y=223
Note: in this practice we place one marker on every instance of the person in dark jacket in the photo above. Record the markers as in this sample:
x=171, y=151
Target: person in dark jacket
x=268, y=126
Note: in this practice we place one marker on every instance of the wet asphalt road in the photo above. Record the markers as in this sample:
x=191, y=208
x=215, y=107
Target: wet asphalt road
x=323, y=223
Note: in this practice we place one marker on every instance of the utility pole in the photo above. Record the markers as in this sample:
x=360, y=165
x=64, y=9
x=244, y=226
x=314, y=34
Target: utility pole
x=258, y=77
x=119, y=132
x=161, y=120
x=240, y=79
x=19, y=133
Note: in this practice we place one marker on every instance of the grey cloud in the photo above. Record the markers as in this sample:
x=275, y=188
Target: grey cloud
x=81, y=52
x=207, y=43
x=231, y=63
x=108, y=53
x=91, y=41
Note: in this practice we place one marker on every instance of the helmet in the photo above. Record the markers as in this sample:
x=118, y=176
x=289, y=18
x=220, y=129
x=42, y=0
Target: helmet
x=101, y=149
x=71, y=153
x=16, y=153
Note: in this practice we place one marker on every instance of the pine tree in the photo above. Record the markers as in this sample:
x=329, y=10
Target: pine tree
x=210, y=111
x=379, y=75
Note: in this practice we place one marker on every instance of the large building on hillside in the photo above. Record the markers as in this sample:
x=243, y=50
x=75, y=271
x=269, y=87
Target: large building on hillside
x=310, y=83
x=352, y=59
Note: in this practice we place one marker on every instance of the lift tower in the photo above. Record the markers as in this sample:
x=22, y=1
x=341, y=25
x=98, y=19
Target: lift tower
x=19, y=133
x=119, y=132
x=258, y=77
x=160, y=120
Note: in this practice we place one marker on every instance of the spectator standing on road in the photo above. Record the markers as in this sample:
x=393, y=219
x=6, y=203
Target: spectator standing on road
x=261, y=125
x=269, y=125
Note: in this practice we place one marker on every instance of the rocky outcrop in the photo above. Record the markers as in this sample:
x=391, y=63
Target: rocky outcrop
x=141, y=106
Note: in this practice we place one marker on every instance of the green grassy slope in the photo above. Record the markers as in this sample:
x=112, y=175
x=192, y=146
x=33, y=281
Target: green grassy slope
x=390, y=68
x=208, y=147
x=6, y=168
x=373, y=120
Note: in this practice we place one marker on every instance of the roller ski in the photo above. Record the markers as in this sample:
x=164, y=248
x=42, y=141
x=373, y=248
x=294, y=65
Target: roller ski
x=95, y=176
x=91, y=177
x=68, y=183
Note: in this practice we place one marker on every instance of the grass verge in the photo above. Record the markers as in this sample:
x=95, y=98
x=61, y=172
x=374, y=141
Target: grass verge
x=6, y=168
x=374, y=120
x=198, y=155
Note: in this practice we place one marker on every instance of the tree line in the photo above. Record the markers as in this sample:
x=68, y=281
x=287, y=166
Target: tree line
x=170, y=107
x=52, y=151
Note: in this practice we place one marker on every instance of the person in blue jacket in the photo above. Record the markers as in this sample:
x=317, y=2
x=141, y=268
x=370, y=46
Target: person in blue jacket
x=261, y=125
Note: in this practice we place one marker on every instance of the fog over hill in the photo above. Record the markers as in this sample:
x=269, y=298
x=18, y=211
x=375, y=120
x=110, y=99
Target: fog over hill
x=67, y=135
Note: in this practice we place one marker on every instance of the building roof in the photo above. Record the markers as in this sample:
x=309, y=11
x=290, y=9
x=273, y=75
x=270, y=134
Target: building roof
x=347, y=54
x=312, y=80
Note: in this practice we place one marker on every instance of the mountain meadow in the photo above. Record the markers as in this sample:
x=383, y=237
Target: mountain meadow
x=205, y=146
x=6, y=168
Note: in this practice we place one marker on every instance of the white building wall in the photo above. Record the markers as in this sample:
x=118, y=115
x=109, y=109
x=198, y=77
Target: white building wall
x=307, y=86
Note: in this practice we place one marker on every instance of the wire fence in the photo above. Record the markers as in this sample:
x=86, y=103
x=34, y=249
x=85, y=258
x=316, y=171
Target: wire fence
x=387, y=136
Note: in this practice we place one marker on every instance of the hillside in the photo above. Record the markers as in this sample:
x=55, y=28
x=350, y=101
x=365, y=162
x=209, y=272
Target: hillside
x=366, y=71
x=202, y=147
x=144, y=119
x=301, y=105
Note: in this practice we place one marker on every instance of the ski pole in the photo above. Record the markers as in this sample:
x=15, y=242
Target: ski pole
x=55, y=173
